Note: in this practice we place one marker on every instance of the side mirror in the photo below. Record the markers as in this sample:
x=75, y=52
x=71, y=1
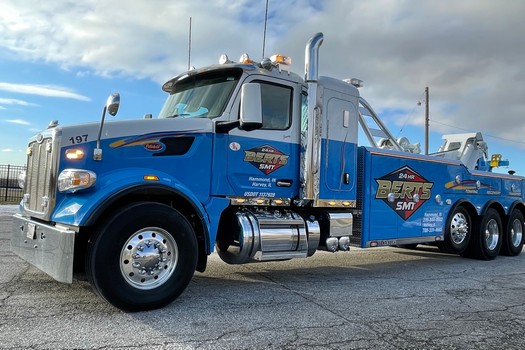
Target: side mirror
x=251, y=107
x=113, y=103
x=111, y=107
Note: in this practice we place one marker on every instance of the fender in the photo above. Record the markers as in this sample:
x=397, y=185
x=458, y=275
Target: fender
x=467, y=204
x=516, y=205
x=496, y=205
x=82, y=208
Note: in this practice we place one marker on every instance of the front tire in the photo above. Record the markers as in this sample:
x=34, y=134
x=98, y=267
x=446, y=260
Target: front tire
x=143, y=257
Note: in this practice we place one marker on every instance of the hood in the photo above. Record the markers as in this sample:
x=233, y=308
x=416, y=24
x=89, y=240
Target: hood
x=133, y=128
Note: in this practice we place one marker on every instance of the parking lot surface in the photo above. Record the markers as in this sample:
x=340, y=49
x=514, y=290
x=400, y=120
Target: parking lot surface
x=386, y=298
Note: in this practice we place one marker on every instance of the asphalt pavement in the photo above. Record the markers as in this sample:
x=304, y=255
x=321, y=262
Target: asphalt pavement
x=381, y=298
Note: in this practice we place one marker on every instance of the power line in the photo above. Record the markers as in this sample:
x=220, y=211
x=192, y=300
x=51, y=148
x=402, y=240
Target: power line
x=410, y=114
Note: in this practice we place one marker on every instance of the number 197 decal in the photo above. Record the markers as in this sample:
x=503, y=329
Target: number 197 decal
x=78, y=139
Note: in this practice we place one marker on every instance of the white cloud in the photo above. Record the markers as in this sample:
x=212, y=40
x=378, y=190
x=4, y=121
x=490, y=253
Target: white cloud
x=470, y=53
x=8, y=150
x=13, y=101
x=148, y=40
x=42, y=90
x=18, y=121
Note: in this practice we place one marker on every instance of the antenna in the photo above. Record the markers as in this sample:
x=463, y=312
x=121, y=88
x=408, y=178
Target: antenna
x=426, y=119
x=264, y=33
x=189, y=48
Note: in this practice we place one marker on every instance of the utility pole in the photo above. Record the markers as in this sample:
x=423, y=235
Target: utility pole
x=426, y=120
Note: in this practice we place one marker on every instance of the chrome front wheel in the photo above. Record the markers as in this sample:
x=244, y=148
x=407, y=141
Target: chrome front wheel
x=148, y=258
x=143, y=257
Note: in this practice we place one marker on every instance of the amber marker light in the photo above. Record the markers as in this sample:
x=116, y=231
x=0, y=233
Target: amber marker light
x=151, y=178
x=74, y=154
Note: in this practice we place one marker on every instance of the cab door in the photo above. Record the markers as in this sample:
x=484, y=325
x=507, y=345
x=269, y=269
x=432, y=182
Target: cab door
x=265, y=162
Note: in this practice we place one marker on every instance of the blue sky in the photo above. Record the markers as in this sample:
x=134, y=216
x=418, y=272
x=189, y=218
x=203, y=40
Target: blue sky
x=61, y=59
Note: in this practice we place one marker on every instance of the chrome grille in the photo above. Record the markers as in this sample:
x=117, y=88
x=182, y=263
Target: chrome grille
x=41, y=177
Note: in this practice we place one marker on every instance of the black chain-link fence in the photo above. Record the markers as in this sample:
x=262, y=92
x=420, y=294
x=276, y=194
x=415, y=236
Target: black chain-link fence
x=10, y=193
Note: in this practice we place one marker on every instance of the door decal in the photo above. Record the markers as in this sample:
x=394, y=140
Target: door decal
x=266, y=158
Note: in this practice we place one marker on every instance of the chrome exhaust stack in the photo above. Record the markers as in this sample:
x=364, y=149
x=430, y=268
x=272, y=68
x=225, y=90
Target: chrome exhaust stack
x=311, y=142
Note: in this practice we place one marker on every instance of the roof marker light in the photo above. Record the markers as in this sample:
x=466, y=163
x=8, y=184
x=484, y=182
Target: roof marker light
x=358, y=83
x=245, y=59
x=224, y=59
x=281, y=59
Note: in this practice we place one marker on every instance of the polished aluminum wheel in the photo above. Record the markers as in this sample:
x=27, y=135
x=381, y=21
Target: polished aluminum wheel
x=459, y=228
x=491, y=234
x=516, y=233
x=149, y=258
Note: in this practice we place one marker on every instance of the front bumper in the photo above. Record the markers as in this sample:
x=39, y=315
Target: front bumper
x=50, y=248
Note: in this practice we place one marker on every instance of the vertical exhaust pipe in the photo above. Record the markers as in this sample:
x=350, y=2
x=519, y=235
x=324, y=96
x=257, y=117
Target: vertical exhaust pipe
x=311, y=142
x=311, y=60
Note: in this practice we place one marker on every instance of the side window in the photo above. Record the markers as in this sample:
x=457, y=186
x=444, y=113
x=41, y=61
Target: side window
x=277, y=106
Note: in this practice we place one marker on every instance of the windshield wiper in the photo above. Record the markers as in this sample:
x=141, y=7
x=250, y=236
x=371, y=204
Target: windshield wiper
x=179, y=115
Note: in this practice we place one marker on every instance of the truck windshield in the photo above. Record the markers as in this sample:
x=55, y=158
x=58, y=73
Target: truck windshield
x=202, y=95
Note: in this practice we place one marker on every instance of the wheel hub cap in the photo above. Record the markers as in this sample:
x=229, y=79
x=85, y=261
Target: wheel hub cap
x=148, y=258
x=492, y=234
x=459, y=228
x=516, y=233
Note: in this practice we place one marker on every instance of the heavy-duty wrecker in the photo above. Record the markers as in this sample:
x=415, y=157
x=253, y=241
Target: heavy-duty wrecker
x=258, y=164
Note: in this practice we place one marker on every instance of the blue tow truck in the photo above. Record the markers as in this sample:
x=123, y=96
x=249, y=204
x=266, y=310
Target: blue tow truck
x=258, y=164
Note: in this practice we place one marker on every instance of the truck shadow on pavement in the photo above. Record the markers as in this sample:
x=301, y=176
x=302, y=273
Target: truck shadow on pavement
x=264, y=283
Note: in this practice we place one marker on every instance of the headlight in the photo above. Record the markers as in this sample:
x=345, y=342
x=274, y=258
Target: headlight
x=72, y=180
x=21, y=179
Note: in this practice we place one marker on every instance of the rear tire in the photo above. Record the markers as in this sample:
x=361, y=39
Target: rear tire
x=143, y=257
x=486, y=242
x=513, y=237
x=458, y=231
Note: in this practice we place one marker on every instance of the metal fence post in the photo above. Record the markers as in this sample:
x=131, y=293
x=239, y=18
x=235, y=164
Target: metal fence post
x=7, y=183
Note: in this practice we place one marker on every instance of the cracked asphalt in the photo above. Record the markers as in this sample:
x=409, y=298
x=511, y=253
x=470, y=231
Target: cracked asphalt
x=385, y=298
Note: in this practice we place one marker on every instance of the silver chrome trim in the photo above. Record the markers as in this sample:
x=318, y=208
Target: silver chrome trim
x=41, y=175
x=400, y=241
x=264, y=236
x=149, y=258
x=311, y=144
x=50, y=248
x=340, y=224
x=335, y=203
x=260, y=201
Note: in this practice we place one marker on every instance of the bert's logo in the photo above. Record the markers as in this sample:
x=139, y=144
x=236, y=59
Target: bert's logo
x=404, y=191
x=266, y=158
